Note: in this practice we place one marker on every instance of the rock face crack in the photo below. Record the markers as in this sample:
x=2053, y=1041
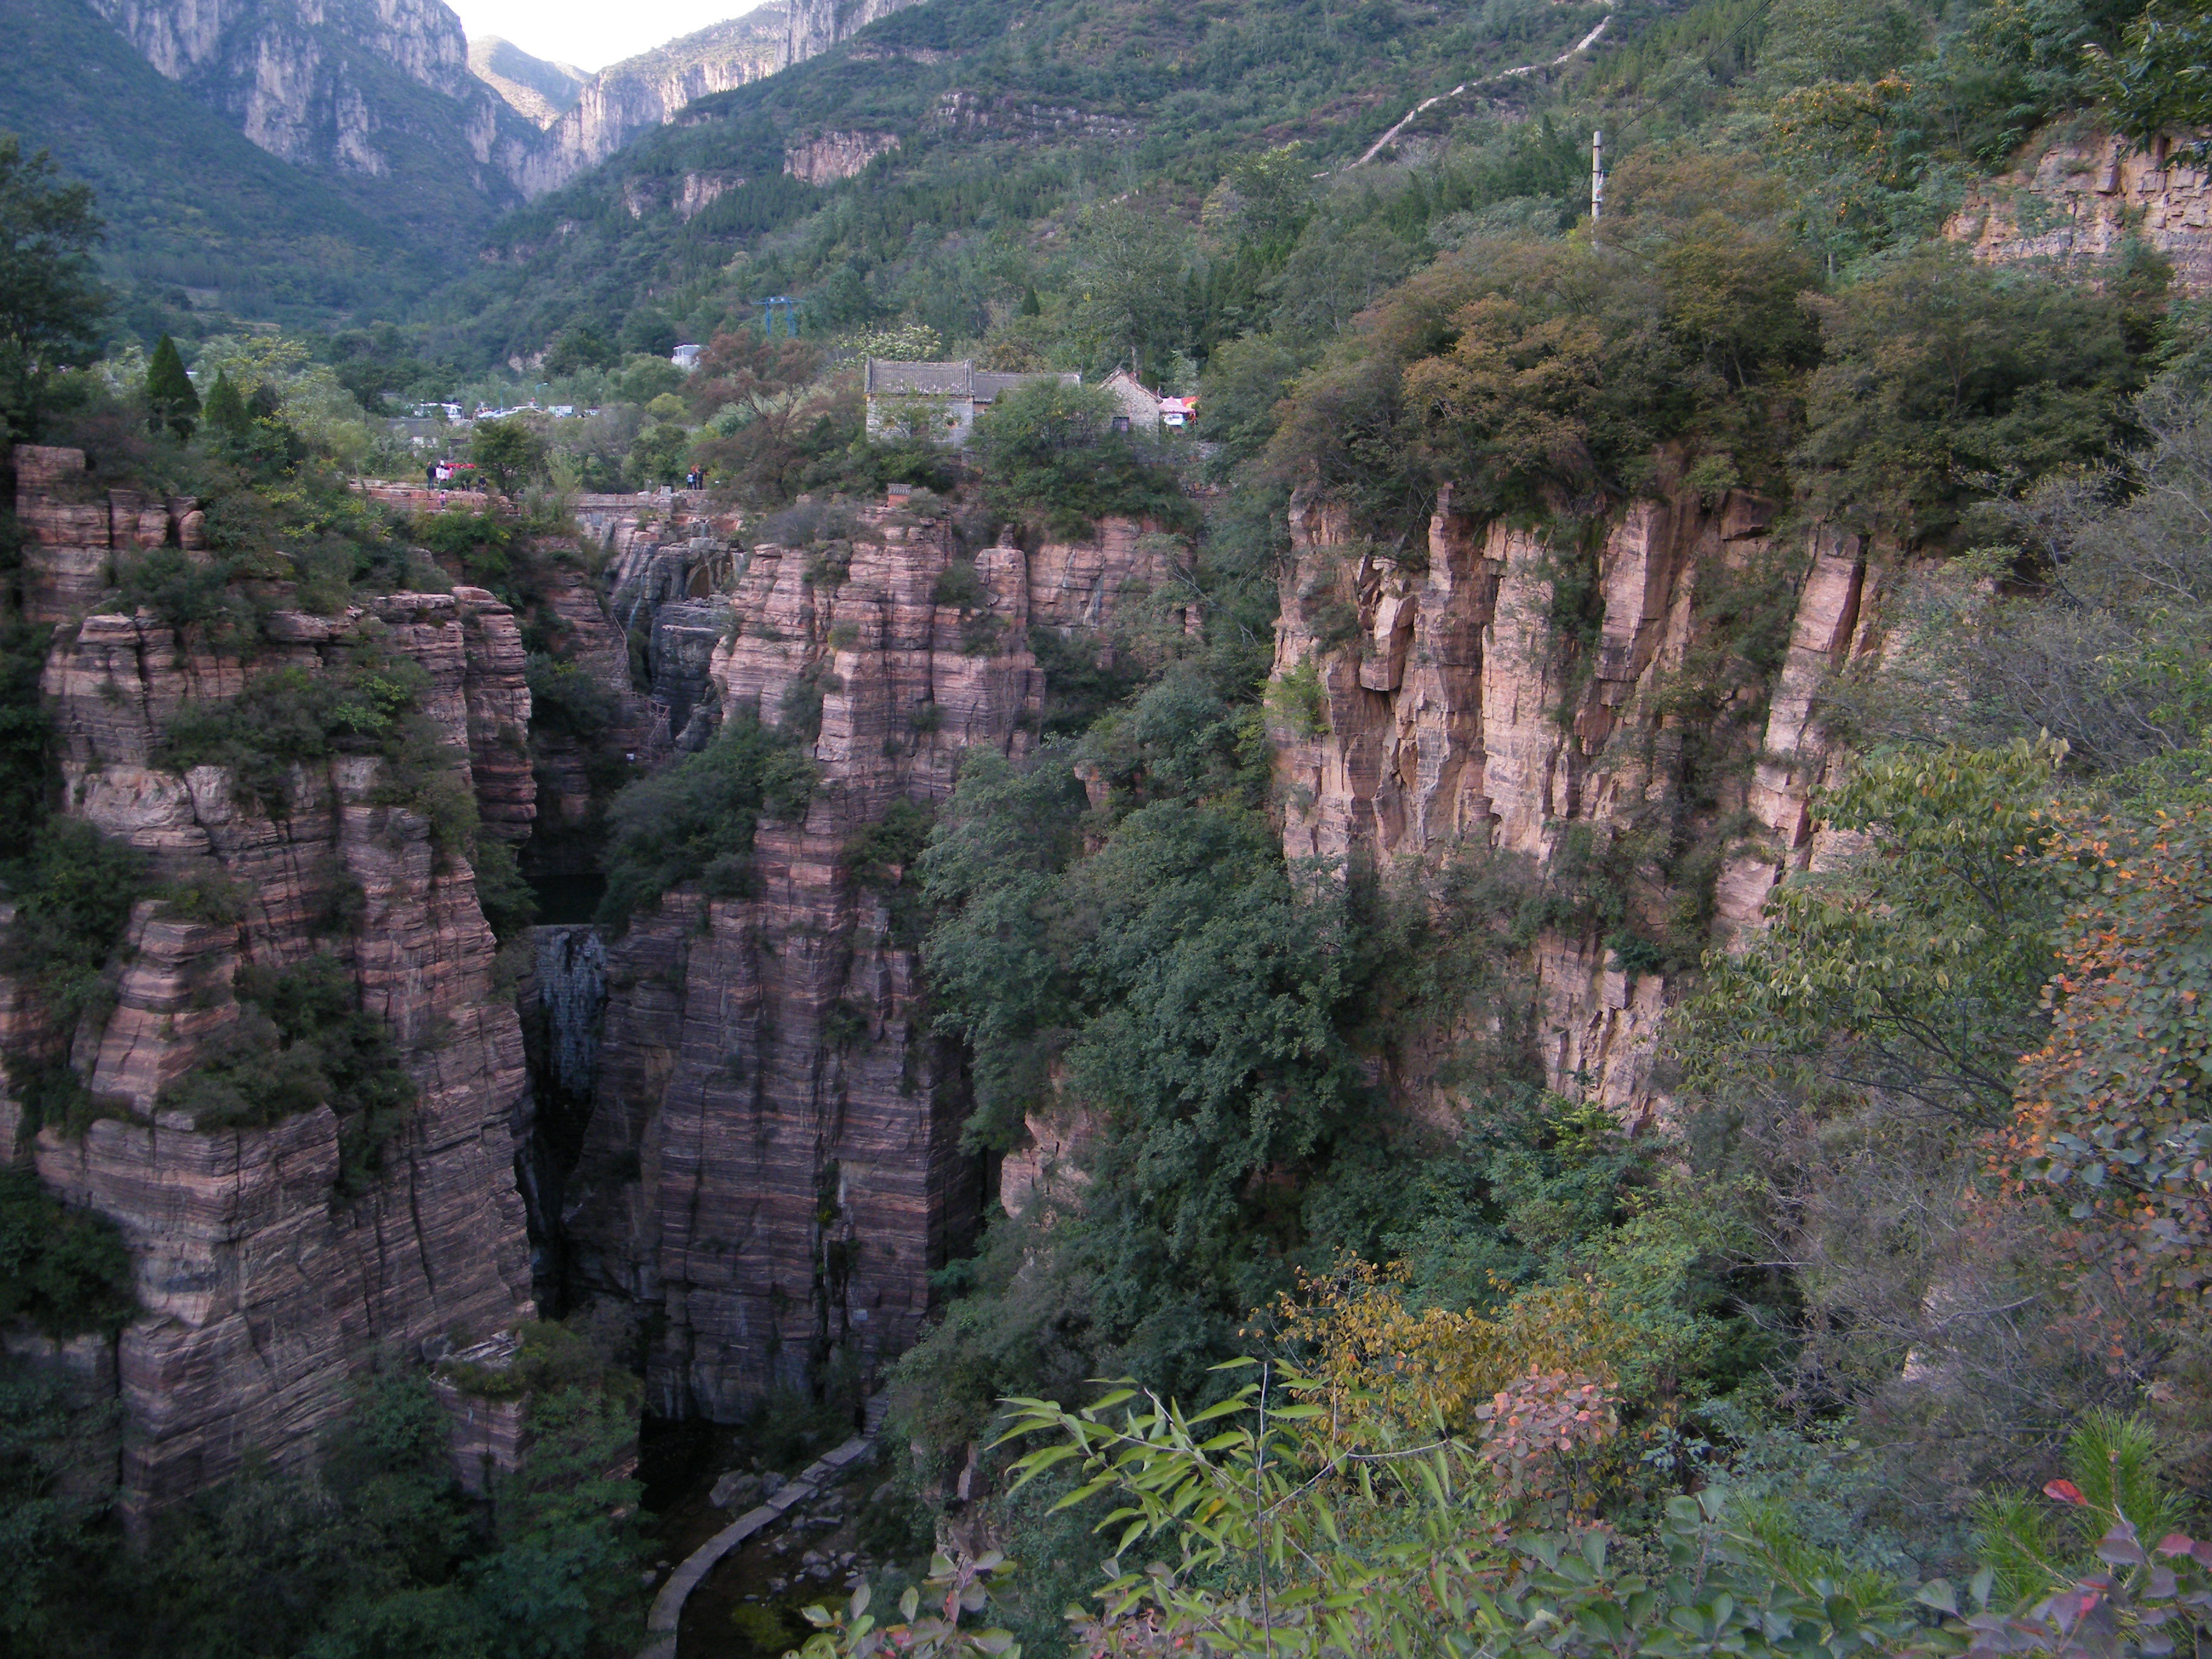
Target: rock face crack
x=265, y=1298
x=799, y=1045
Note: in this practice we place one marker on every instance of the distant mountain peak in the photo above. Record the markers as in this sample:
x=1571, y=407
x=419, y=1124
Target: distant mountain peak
x=538, y=89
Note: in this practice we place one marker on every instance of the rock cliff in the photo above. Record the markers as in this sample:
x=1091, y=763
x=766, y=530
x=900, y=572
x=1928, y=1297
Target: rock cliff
x=538, y=90
x=1589, y=711
x=2076, y=202
x=266, y=1285
x=612, y=107
x=815, y=25
x=364, y=88
x=772, y=1165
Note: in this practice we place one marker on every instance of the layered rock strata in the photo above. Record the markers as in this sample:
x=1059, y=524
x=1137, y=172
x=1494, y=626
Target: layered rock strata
x=265, y=1290
x=1442, y=707
x=772, y=1167
x=2076, y=203
x=73, y=531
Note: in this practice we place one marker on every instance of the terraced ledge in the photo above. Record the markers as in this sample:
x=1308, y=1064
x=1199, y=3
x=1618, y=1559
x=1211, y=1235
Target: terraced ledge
x=660, y=1625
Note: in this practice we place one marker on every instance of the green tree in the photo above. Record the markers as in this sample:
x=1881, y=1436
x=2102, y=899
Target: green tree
x=171, y=399
x=695, y=821
x=506, y=452
x=580, y=347
x=647, y=330
x=62, y=1271
x=225, y=411
x=1945, y=380
x=659, y=455
x=50, y=300
x=2160, y=80
x=1049, y=453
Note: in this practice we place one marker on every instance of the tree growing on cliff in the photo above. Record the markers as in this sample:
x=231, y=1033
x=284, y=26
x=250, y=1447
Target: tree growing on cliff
x=171, y=399
x=2162, y=80
x=51, y=300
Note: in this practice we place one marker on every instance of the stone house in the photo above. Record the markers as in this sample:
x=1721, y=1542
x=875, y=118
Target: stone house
x=939, y=398
x=1141, y=405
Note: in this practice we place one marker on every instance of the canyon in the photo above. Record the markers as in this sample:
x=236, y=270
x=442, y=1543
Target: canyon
x=734, y=1116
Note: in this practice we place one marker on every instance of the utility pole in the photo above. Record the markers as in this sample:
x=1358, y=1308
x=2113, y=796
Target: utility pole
x=1597, y=175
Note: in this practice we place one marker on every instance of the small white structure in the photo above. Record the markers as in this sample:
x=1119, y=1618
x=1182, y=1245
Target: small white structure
x=686, y=357
x=1178, y=411
x=938, y=399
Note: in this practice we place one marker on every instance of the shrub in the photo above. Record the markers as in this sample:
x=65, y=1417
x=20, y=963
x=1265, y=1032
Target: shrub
x=302, y=1041
x=292, y=717
x=65, y=1271
x=166, y=581
x=694, y=822
x=1049, y=455
x=73, y=893
x=564, y=697
x=1944, y=379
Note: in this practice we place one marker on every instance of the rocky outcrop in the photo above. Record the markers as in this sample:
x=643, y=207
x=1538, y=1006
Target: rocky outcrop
x=829, y=156
x=2078, y=201
x=613, y=106
x=267, y=1288
x=773, y=1167
x=354, y=86
x=73, y=531
x=1501, y=692
x=813, y=27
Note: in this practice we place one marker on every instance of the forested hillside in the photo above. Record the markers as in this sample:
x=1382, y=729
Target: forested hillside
x=189, y=203
x=1543, y=991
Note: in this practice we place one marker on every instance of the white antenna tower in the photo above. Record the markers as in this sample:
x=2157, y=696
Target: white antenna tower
x=1597, y=175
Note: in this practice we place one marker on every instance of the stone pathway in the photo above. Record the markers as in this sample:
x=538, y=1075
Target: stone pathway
x=660, y=1625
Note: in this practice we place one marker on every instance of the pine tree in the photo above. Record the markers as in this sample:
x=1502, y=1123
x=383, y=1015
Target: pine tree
x=225, y=411
x=170, y=399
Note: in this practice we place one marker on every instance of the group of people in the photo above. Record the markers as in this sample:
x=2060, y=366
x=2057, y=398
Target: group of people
x=445, y=472
x=695, y=479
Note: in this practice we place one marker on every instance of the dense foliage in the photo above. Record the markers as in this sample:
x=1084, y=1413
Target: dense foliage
x=302, y=1041
x=63, y=1272
x=1923, y=1233
x=377, y=1553
x=695, y=821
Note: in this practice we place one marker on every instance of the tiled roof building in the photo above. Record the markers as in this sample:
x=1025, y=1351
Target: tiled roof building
x=939, y=398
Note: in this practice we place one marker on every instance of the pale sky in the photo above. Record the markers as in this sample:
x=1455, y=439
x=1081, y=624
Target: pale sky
x=591, y=34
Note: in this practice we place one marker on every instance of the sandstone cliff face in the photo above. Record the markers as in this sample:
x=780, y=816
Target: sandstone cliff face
x=772, y=1164
x=344, y=85
x=266, y=1291
x=72, y=531
x=2077, y=201
x=1439, y=706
